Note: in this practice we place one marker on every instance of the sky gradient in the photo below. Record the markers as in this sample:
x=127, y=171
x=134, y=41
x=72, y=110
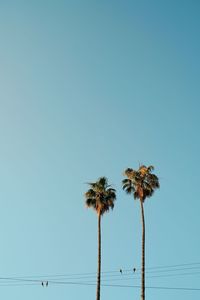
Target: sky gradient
x=89, y=88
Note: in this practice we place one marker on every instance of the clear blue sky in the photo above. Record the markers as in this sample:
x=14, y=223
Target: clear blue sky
x=89, y=88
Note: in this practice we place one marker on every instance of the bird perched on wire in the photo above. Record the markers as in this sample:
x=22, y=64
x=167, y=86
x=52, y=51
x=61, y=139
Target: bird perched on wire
x=47, y=283
x=120, y=271
x=134, y=269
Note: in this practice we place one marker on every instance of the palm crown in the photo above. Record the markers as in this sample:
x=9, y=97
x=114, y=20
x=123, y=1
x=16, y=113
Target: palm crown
x=100, y=196
x=142, y=183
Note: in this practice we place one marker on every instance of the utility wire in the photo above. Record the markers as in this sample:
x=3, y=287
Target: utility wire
x=116, y=285
x=172, y=266
x=122, y=278
x=131, y=286
x=108, y=273
x=115, y=277
x=105, y=275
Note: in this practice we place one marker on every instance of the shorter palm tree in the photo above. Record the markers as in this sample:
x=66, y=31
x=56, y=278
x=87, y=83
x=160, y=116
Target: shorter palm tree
x=100, y=197
x=142, y=184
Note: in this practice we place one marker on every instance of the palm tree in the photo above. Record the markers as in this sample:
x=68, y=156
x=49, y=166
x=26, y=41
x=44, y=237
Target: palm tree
x=100, y=197
x=142, y=184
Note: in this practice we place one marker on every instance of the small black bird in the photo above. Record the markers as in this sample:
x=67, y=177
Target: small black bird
x=120, y=271
x=42, y=283
x=47, y=283
x=134, y=269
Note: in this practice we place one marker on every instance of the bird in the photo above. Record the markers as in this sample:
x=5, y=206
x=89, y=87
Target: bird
x=42, y=283
x=47, y=283
x=134, y=269
x=120, y=271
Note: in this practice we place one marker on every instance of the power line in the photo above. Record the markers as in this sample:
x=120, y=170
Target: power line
x=126, y=286
x=172, y=266
x=110, y=285
x=38, y=282
x=18, y=284
x=105, y=276
x=131, y=277
x=147, y=277
x=106, y=273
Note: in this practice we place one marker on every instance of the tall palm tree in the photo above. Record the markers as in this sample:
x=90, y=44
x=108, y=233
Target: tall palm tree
x=142, y=184
x=100, y=197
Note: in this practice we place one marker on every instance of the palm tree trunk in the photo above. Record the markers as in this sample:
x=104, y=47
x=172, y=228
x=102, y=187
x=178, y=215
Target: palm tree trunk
x=143, y=253
x=99, y=258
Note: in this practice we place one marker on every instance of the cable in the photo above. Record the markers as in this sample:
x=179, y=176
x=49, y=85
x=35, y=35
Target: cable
x=105, y=275
x=18, y=284
x=113, y=285
x=172, y=266
x=110, y=285
x=129, y=286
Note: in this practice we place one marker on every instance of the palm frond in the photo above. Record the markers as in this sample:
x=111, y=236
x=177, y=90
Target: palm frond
x=129, y=189
x=90, y=202
x=125, y=181
x=100, y=196
x=93, y=185
x=102, y=182
x=111, y=190
x=90, y=193
x=142, y=183
x=128, y=172
x=150, y=168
